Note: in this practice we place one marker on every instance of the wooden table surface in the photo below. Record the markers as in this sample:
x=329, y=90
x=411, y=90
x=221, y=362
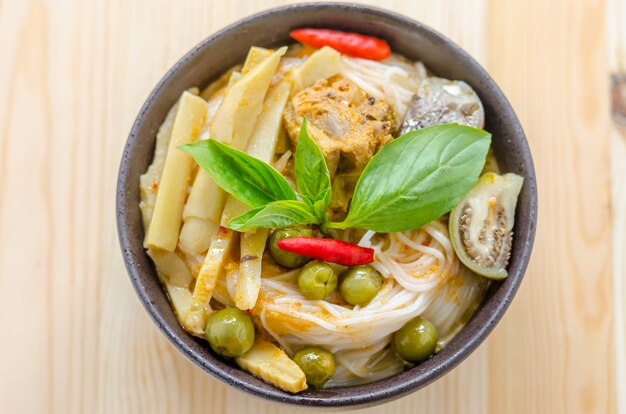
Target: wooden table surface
x=75, y=338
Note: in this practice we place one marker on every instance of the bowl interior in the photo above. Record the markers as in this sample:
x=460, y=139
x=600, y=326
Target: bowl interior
x=228, y=47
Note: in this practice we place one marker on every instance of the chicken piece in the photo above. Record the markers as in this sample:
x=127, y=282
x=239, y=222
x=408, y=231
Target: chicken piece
x=442, y=101
x=348, y=125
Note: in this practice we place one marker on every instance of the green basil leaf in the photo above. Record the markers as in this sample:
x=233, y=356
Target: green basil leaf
x=320, y=204
x=312, y=176
x=307, y=199
x=276, y=214
x=417, y=178
x=246, y=178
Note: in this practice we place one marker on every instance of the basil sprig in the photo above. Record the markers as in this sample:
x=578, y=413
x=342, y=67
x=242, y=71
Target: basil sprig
x=260, y=186
x=275, y=214
x=249, y=180
x=312, y=176
x=411, y=181
x=417, y=178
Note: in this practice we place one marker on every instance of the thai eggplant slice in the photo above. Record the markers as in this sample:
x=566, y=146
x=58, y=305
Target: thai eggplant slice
x=443, y=101
x=481, y=225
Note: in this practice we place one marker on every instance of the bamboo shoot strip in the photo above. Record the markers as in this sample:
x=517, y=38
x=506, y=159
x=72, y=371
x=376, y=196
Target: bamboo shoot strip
x=219, y=83
x=196, y=234
x=180, y=297
x=191, y=314
x=234, y=77
x=236, y=117
x=149, y=181
x=263, y=142
x=267, y=361
x=206, y=200
x=249, y=279
x=195, y=318
x=262, y=145
x=171, y=268
x=322, y=64
x=213, y=263
x=233, y=124
x=255, y=56
x=165, y=225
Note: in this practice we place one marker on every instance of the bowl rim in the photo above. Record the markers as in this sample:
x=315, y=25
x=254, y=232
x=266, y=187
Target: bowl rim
x=348, y=397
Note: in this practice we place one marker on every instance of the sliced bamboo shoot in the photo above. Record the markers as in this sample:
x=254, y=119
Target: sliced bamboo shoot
x=249, y=279
x=180, y=297
x=202, y=213
x=149, y=181
x=165, y=225
x=262, y=145
x=171, y=268
x=220, y=292
x=241, y=107
x=219, y=83
x=195, y=318
x=322, y=64
x=255, y=56
x=213, y=263
x=203, y=210
x=233, y=124
x=234, y=77
x=196, y=234
x=270, y=363
x=234, y=121
x=263, y=142
x=206, y=200
x=192, y=316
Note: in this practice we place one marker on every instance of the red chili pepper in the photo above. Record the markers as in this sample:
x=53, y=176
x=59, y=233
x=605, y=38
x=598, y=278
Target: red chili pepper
x=352, y=44
x=328, y=250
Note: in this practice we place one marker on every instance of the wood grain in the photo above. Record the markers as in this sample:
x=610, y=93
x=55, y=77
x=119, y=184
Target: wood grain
x=563, y=311
x=616, y=16
x=75, y=337
x=618, y=175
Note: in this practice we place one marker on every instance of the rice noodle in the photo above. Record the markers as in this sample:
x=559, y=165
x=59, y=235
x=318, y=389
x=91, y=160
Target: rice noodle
x=395, y=79
x=415, y=265
x=421, y=276
x=455, y=303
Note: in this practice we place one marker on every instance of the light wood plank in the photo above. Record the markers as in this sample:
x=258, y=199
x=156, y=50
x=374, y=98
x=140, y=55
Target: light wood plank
x=616, y=16
x=553, y=352
x=618, y=175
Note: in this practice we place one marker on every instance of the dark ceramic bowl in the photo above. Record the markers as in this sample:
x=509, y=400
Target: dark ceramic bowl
x=229, y=46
